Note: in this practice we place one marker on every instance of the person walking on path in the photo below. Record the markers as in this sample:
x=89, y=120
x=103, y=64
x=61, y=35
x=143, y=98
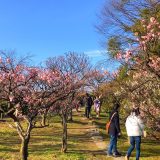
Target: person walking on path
x=114, y=131
x=134, y=127
x=97, y=105
x=89, y=103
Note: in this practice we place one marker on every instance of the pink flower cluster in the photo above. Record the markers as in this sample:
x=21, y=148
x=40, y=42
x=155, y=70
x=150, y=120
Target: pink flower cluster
x=152, y=33
x=155, y=63
x=48, y=75
x=126, y=55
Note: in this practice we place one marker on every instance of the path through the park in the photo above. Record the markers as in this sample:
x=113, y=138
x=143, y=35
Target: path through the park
x=90, y=136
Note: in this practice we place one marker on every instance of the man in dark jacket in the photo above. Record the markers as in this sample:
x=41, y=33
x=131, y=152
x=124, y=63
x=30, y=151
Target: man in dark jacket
x=89, y=103
x=114, y=131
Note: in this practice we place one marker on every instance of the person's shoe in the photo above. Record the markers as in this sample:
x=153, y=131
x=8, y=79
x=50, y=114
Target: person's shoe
x=126, y=157
x=109, y=155
x=116, y=154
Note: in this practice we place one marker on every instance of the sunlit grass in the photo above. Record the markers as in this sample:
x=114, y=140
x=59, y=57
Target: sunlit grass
x=45, y=143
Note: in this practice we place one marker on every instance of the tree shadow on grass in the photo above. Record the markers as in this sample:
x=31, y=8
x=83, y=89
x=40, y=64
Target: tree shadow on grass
x=10, y=142
x=101, y=125
x=4, y=149
x=41, y=149
x=79, y=122
x=80, y=128
x=150, y=148
x=80, y=151
x=80, y=139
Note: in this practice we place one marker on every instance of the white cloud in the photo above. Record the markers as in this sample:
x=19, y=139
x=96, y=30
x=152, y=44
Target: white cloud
x=101, y=60
x=95, y=53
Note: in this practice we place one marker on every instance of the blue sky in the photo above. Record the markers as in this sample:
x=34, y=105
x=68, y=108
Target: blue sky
x=46, y=28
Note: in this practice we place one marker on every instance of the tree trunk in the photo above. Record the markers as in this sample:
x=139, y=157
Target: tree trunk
x=25, y=137
x=64, y=136
x=24, y=148
x=1, y=115
x=43, y=122
x=71, y=116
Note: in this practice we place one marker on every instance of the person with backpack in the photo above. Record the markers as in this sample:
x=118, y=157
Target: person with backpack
x=89, y=103
x=134, y=127
x=114, y=131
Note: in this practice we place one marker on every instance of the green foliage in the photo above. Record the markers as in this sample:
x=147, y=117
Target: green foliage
x=114, y=45
x=107, y=103
x=147, y=12
x=122, y=72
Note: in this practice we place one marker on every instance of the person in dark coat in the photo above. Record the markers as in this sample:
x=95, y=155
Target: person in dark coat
x=89, y=103
x=114, y=131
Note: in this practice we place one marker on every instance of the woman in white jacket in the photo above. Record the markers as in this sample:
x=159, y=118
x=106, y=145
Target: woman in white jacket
x=134, y=127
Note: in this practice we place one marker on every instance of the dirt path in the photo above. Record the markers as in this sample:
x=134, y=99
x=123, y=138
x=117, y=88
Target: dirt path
x=94, y=141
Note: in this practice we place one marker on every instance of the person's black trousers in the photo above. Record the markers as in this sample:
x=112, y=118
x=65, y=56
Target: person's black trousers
x=87, y=111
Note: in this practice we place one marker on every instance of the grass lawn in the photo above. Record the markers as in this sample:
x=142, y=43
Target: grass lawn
x=45, y=143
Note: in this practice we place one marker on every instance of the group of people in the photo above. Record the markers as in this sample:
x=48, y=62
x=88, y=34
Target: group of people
x=89, y=102
x=134, y=127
